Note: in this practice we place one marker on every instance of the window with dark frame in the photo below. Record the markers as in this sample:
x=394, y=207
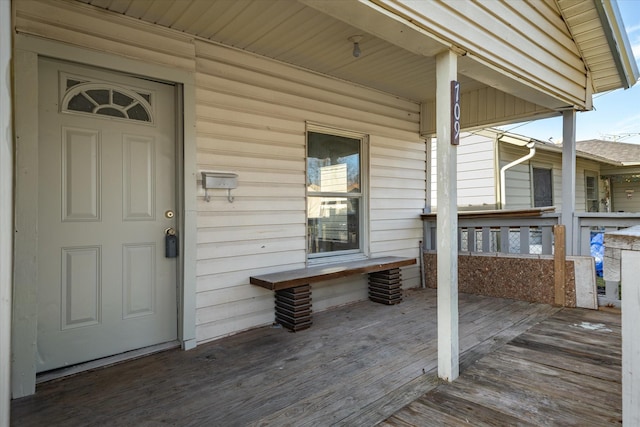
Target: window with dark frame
x=542, y=187
x=591, y=192
x=334, y=194
x=106, y=100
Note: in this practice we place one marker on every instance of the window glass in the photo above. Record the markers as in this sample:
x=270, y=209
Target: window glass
x=333, y=163
x=121, y=99
x=334, y=207
x=591, y=193
x=542, y=189
x=72, y=82
x=80, y=103
x=98, y=98
x=109, y=111
x=137, y=112
x=334, y=224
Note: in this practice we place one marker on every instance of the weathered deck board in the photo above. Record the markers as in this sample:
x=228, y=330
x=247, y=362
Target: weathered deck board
x=560, y=372
x=359, y=365
x=380, y=380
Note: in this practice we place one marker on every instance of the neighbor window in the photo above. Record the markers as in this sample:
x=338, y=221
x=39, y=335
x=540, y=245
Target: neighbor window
x=335, y=203
x=591, y=191
x=542, y=187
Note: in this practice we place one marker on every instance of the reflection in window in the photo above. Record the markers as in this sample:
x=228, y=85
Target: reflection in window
x=333, y=163
x=333, y=193
x=99, y=99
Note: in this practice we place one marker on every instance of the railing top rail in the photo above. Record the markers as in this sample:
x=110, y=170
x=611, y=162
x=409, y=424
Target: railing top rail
x=507, y=222
x=614, y=215
x=504, y=213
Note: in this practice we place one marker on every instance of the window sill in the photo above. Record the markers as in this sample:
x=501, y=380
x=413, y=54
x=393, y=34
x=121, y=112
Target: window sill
x=335, y=259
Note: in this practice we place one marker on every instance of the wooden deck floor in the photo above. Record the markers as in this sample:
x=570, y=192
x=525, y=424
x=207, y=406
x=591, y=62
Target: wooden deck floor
x=565, y=371
x=359, y=365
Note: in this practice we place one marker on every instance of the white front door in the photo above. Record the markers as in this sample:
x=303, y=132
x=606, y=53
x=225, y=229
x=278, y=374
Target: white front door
x=106, y=195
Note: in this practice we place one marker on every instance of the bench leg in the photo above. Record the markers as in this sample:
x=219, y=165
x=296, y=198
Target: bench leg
x=385, y=287
x=293, y=308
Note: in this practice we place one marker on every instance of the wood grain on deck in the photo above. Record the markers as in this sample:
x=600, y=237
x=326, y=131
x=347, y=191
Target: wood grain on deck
x=564, y=371
x=359, y=365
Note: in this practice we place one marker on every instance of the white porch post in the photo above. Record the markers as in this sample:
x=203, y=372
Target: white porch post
x=447, y=221
x=568, y=177
x=6, y=211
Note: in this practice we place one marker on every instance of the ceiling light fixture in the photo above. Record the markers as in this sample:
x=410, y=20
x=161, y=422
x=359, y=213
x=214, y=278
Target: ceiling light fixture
x=356, y=45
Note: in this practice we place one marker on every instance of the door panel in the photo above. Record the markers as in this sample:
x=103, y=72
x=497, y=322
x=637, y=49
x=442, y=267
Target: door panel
x=139, y=177
x=107, y=174
x=81, y=287
x=80, y=174
x=138, y=278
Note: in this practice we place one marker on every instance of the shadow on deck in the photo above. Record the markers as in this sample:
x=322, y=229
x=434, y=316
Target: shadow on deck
x=362, y=364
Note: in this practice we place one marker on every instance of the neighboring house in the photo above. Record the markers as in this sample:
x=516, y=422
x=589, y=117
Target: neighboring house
x=607, y=174
x=619, y=173
x=118, y=108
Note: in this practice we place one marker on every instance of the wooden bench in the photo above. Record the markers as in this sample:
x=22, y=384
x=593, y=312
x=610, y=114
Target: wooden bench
x=293, y=288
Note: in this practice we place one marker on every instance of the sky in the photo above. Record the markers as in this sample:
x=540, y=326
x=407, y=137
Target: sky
x=616, y=114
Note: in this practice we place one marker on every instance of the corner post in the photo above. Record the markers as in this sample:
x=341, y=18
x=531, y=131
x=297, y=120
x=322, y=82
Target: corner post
x=569, y=177
x=447, y=221
x=6, y=210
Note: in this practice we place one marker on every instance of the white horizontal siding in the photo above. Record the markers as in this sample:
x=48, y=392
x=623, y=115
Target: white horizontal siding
x=485, y=107
x=82, y=25
x=529, y=38
x=478, y=176
x=619, y=196
x=476, y=184
x=263, y=229
x=252, y=115
x=519, y=187
x=301, y=94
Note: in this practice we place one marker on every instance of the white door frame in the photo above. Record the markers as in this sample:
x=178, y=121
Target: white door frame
x=24, y=326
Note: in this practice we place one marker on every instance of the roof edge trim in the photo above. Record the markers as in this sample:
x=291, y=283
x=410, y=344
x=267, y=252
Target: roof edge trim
x=613, y=27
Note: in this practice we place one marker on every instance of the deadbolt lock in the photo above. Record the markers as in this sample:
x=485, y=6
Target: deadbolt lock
x=169, y=214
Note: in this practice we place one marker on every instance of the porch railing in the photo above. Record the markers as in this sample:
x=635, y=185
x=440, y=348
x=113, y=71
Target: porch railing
x=520, y=232
x=531, y=232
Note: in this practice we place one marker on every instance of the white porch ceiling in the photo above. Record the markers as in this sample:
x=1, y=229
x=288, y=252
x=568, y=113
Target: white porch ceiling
x=291, y=32
x=313, y=34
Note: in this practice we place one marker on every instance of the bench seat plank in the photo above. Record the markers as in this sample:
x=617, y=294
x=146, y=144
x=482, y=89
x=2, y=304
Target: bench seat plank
x=304, y=276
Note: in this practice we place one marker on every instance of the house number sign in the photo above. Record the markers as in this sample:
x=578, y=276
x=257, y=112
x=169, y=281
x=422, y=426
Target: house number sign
x=455, y=112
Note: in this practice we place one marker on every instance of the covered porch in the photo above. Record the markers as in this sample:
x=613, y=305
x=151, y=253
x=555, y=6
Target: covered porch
x=247, y=83
x=363, y=364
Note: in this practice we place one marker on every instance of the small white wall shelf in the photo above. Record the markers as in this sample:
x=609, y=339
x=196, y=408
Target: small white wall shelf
x=219, y=180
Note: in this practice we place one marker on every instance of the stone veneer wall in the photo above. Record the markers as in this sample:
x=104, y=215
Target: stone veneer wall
x=522, y=277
